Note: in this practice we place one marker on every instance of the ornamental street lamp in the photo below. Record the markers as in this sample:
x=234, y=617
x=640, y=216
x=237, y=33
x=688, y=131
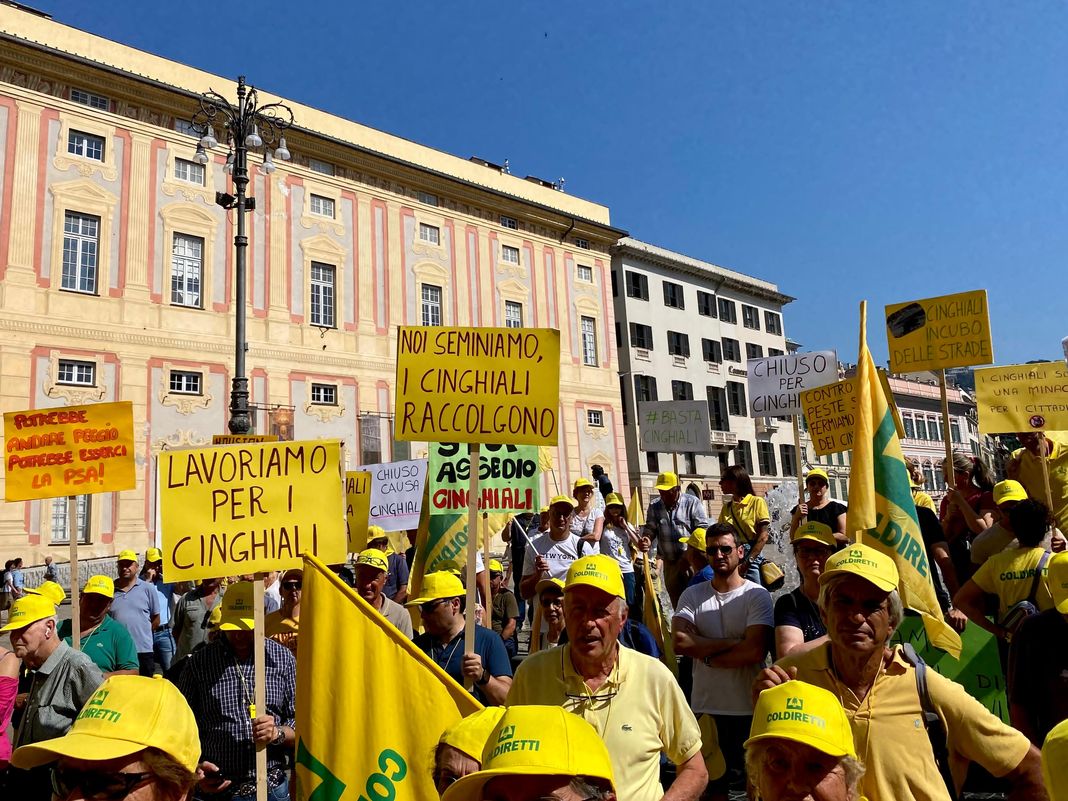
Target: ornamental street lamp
x=247, y=126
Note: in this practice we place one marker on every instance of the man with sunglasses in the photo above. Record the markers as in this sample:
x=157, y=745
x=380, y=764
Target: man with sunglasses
x=283, y=624
x=631, y=699
x=372, y=566
x=441, y=608
x=726, y=626
x=878, y=689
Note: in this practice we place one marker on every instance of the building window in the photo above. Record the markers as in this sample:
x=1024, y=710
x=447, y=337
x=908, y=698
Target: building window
x=323, y=206
x=589, y=341
x=712, y=351
x=185, y=382
x=371, y=439
x=766, y=458
x=595, y=418
x=90, y=99
x=909, y=426
x=736, y=399
x=431, y=296
x=934, y=428
x=430, y=200
x=787, y=456
x=728, y=312
x=60, y=521
x=513, y=314
x=430, y=233
x=186, y=127
x=681, y=390
x=772, y=322
x=641, y=336
x=637, y=286
x=921, y=427
x=189, y=171
x=644, y=388
x=751, y=317
x=717, y=409
x=678, y=344
x=320, y=166
x=509, y=254
x=732, y=350
x=743, y=457
x=76, y=373
x=753, y=351
x=954, y=430
x=509, y=222
x=324, y=394
x=582, y=243
x=673, y=295
x=322, y=295
x=652, y=462
x=706, y=304
x=615, y=285
x=187, y=270
x=585, y=273
x=85, y=145
x=775, y=352
x=81, y=240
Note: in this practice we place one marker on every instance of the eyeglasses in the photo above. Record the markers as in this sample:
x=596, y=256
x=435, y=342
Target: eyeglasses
x=443, y=780
x=96, y=786
x=430, y=606
x=722, y=550
x=292, y=585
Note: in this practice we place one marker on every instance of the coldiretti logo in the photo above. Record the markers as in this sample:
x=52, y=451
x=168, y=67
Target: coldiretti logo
x=95, y=710
x=590, y=572
x=856, y=553
x=507, y=743
x=792, y=715
x=507, y=733
x=795, y=703
x=98, y=698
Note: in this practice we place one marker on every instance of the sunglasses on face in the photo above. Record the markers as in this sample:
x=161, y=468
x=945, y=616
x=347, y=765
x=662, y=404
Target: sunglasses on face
x=96, y=786
x=722, y=550
x=430, y=606
x=292, y=585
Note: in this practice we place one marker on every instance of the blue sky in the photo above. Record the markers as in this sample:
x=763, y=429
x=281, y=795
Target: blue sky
x=845, y=150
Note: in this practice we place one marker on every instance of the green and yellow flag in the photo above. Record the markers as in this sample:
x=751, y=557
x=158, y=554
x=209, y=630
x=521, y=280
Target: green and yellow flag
x=881, y=510
x=352, y=667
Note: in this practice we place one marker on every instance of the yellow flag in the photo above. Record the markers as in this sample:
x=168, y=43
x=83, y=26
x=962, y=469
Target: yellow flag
x=881, y=510
x=352, y=667
x=635, y=513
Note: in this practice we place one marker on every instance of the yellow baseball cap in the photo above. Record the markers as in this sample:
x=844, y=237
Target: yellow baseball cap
x=238, y=609
x=215, y=617
x=1055, y=762
x=546, y=583
x=375, y=533
x=51, y=591
x=127, y=556
x=598, y=571
x=805, y=714
x=372, y=557
x=537, y=741
x=441, y=584
x=582, y=482
x=1057, y=579
x=1009, y=490
x=123, y=717
x=562, y=499
x=817, y=532
x=29, y=609
x=817, y=472
x=614, y=499
x=495, y=566
x=695, y=540
x=862, y=560
x=100, y=585
x=153, y=555
x=667, y=481
x=470, y=734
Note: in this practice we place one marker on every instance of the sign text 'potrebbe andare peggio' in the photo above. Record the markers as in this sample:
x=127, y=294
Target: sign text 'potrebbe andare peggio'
x=486, y=385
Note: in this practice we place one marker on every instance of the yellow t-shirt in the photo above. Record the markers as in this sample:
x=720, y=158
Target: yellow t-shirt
x=1010, y=574
x=1030, y=475
x=890, y=737
x=745, y=515
x=641, y=712
x=921, y=498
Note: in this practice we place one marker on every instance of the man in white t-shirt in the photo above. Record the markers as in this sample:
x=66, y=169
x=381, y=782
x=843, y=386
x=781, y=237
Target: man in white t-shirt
x=726, y=625
x=551, y=553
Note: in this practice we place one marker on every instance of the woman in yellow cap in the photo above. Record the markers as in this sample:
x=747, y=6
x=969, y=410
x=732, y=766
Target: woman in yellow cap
x=620, y=540
x=747, y=514
x=587, y=522
x=459, y=750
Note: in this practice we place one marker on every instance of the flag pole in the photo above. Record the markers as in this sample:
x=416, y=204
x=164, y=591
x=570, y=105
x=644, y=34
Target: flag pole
x=1045, y=472
x=75, y=586
x=798, y=464
x=259, y=691
x=474, y=463
x=947, y=467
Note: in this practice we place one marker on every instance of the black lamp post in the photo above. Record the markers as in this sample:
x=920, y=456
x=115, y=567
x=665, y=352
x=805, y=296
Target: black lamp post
x=247, y=126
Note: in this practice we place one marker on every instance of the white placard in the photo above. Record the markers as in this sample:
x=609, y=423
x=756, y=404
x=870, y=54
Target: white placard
x=396, y=493
x=674, y=427
x=776, y=382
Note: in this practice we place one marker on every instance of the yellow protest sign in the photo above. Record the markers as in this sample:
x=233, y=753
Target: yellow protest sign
x=1022, y=397
x=357, y=508
x=70, y=450
x=250, y=508
x=486, y=385
x=830, y=413
x=241, y=439
x=935, y=333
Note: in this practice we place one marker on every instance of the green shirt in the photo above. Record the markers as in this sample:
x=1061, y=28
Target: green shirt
x=110, y=645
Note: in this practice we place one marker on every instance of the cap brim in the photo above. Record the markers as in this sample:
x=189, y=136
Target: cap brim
x=237, y=624
x=876, y=581
x=666, y=487
x=21, y=624
x=811, y=538
x=75, y=746
x=820, y=745
x=1062, y=605
x=469, y=787
x=620, y=594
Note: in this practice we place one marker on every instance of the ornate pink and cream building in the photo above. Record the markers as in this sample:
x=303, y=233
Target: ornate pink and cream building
x=117, y=272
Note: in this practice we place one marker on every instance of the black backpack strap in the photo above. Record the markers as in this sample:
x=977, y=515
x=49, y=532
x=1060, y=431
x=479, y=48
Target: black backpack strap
x=1033, y=595
x=936, y=732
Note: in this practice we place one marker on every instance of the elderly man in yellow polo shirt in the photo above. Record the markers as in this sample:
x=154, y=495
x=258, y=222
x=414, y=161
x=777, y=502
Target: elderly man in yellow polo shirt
x=877, y=686
x=632, y=700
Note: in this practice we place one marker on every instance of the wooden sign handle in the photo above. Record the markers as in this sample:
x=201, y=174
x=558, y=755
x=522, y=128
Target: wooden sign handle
x=798, y=462
x=947, y=467
x=75, y=588
x=472, y=549
x=259, y=693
